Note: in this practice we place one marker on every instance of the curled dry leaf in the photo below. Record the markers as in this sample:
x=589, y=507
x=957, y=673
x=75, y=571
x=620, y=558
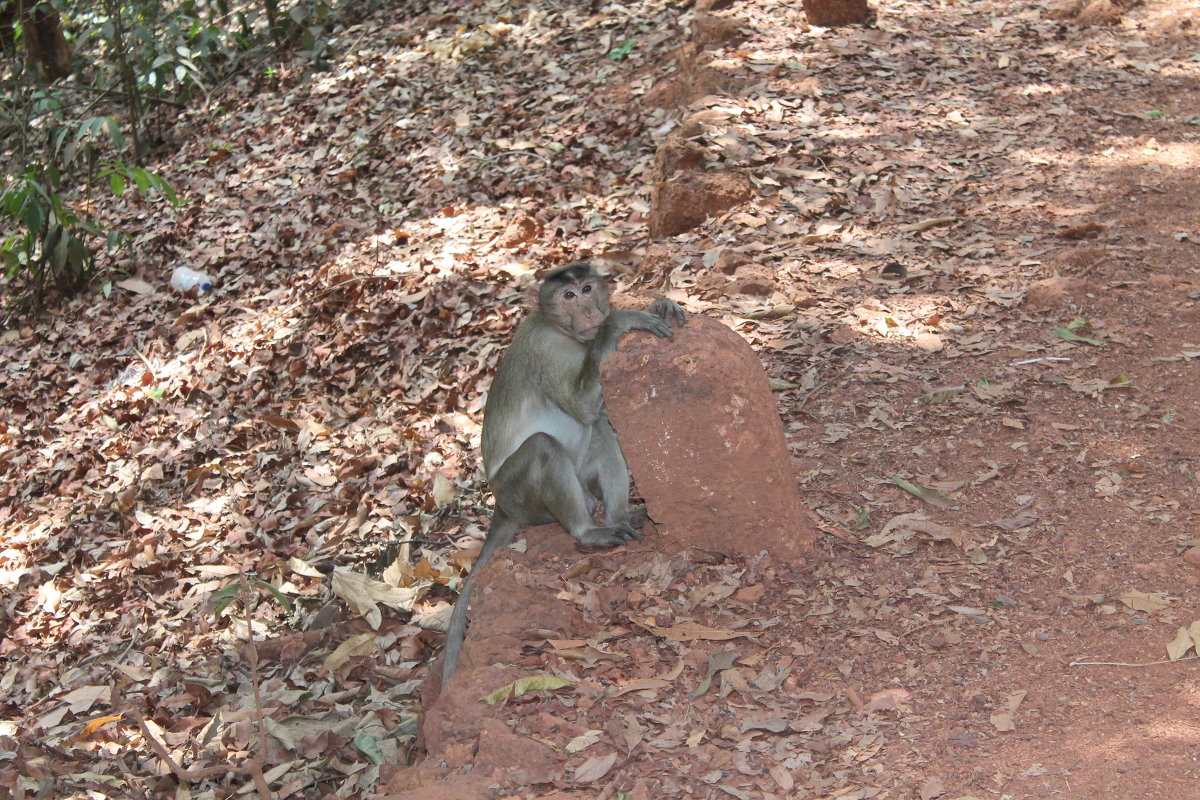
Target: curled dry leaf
x=362, y=593
x=1185, y=640
x=1003, y=720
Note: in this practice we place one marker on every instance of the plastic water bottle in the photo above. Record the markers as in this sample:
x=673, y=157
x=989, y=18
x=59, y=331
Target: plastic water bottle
x=189, y=281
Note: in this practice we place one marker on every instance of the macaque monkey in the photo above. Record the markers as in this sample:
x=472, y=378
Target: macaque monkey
x=549, y=451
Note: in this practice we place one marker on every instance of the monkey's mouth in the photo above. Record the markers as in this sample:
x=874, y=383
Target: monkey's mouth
x=587, y=334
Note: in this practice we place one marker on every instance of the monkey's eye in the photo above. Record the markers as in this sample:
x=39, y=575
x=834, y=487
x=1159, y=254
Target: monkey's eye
x=586, y=288
x=569, y=295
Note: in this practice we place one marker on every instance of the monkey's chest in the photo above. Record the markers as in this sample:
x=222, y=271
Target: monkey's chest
x=551, y=420
x=575, y=437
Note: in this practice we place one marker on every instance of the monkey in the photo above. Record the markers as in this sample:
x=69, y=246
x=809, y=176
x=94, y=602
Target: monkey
x=549, y=451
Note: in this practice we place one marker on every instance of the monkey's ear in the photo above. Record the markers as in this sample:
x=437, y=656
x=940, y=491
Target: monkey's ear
x=531, y=296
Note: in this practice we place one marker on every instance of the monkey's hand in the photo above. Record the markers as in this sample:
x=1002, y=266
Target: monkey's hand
x=618, y=324
x=669, y=310
x=625, y=320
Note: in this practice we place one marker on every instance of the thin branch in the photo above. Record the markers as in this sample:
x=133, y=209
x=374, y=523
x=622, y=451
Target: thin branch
x=1128, y=664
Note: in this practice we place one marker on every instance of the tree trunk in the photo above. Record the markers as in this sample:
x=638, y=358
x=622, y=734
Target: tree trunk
x=46, y=47
x=835, y=13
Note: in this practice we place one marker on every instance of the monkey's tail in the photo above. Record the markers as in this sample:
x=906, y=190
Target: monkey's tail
x=500, y=534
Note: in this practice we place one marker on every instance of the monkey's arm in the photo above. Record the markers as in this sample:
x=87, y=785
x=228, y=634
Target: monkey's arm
x=615, y=326
x=581, y=397
x=569, y=374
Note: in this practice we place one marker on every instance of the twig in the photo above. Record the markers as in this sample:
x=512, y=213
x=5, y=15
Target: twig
x=832, y=530
x=184, y=775
x=1128, y=664
x=256, y=764
x=489, y=159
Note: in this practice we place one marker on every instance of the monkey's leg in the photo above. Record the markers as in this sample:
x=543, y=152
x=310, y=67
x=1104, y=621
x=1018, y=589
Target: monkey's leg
x=607, y=472
x=500, y=534
x=538, y=483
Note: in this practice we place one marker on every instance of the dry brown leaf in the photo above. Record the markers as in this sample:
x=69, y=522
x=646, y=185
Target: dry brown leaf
x=359, y=645
x=1143, y=601
x=690, y=631
x=594, y=768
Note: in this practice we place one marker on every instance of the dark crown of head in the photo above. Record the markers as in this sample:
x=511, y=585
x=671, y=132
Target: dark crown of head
x=570, y=273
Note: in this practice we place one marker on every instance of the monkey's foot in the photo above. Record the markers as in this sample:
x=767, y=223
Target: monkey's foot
x=609, y=536
x=638, y=517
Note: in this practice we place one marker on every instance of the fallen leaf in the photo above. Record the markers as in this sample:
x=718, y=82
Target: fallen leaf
x=584, y=741
x=774, y=725
x=359, y=645
x=690, y=631
x=595, y=768
x=928, y=495
x=135, y=285
x=716, y=663
x=932, y=788
x=1141, y=601
x=81, y=699
x=1003, y=720
x=362, y=593
x=1183, y=642
x=533, y=683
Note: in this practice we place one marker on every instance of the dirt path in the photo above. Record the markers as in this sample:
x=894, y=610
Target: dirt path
x=1011, y=643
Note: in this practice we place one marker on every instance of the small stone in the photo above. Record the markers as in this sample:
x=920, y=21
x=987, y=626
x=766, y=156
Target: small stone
x=1050, y=294
x=836, y=13
x=929, y=342
x=1192, y=556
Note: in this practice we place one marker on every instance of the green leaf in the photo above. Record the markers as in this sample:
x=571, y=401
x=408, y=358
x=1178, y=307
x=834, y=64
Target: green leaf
x=1071, y=336
x=1154, y=114
x=141, y=178
x=716, y=663
x=534, y=683
x=931, y=496
x=283, y=599
x=114, y=132
x=617, y=53
x=116, y=182
x=365, y=743
x=223, y=597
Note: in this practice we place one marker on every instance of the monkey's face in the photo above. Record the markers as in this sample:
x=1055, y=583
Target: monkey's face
x=579, y=308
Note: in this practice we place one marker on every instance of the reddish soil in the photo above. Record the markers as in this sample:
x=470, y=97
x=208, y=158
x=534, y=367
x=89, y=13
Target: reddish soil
x=998, y=642
x=972, y=268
